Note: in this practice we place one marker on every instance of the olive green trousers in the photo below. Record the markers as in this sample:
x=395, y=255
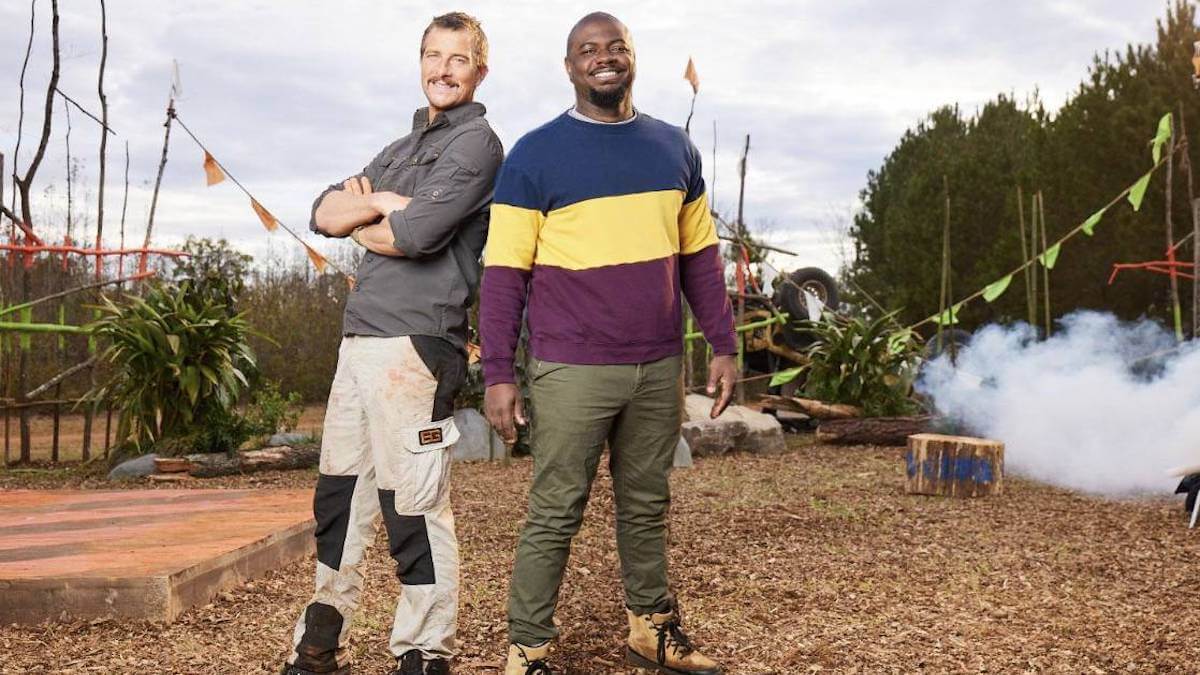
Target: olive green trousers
x=635, y=409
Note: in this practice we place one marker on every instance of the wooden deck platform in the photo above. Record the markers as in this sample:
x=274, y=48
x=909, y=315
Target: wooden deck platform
x=144, y=554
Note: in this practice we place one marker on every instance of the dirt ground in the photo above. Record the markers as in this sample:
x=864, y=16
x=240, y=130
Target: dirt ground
x=811, y=561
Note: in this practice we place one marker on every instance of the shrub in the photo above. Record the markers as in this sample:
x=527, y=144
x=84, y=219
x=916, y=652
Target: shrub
x=861, y=362
x=180, y=362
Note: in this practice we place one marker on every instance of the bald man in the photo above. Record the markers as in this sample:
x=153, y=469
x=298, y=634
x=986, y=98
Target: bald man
x=600, y=220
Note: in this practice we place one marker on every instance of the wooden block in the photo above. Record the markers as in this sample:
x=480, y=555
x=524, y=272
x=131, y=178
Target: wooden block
x=954, y=466
x=172, y=464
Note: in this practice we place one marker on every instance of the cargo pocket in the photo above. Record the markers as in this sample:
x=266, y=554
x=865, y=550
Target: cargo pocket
x=422, y=465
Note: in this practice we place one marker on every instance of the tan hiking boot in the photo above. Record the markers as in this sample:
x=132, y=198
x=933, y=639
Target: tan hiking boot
x=524, y=660
x=657, y=642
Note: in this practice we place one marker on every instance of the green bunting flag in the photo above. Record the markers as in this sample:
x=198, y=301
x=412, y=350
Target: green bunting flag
x=785, y=376
x=898, y=339
x=1163, y=135
x=1089, y=225
x=1138, y=192
x=1050, y=256
x=949, y=317
x=996, y=289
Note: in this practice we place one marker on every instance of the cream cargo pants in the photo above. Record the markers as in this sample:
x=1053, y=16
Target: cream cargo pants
x=386, y=448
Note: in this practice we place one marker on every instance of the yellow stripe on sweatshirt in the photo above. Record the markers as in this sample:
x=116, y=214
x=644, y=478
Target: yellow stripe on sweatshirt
x=512, y=236
x=696, y=228
x=611, y=231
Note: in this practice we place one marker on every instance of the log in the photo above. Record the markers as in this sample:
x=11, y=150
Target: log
x=954, y=466
x=872, y=430
x=818, y=410
x=208, y=465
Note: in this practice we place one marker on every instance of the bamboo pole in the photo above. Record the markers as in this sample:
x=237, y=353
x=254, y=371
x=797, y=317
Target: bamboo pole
x=1185, y=165
x=1032, y=258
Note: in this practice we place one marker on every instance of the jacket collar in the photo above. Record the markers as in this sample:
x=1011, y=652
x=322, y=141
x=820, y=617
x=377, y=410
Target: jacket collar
x=452, y=117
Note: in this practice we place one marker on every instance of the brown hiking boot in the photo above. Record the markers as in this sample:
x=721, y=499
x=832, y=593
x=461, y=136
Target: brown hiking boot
x=657, y=642
x=524, y=660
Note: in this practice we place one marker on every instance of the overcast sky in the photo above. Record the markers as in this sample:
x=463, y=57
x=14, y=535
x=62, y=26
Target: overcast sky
x=291, y=96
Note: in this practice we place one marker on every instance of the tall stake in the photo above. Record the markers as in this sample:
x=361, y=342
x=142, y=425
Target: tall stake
x=741, y=388
x=162, y=165
x=945, y=296
x=1028, y=269
x=1033, y=285
x=1045, y=268
x=1185, y=164
x=103, y=137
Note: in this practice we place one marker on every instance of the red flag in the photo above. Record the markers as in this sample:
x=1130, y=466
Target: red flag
x=212, y=172
x=691, y=76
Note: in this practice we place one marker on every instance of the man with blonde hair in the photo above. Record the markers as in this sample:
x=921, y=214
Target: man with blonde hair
x=420, y=209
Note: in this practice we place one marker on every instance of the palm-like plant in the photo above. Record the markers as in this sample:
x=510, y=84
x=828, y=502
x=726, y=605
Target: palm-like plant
x=864, y=363
x=180, y=360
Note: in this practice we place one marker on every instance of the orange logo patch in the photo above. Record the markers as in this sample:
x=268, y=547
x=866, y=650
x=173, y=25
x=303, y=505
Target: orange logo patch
x=430, y=436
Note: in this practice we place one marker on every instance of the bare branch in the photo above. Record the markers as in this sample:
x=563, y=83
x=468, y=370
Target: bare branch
x=85, y=111
x=60, y=377
x=21, y=99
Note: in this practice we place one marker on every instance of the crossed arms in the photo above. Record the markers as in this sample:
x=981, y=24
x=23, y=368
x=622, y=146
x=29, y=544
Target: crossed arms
x=362, y=214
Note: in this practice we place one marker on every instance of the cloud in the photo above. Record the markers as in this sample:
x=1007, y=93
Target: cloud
x=293, y=96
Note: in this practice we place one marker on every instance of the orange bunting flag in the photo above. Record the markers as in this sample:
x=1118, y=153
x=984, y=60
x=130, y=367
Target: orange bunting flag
x=317, y=259
x=211, y=170
x=691, y=76
x=264, y=215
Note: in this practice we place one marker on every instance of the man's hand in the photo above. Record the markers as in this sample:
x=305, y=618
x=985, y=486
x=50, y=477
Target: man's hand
x=721, y=370
x=504, y=410
x=386, y=202
x=357, y=186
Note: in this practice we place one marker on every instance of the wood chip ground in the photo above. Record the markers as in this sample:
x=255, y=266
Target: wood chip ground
x=813, y=561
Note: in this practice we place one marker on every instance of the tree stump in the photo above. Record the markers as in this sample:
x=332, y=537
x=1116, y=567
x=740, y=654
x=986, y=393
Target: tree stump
x=954, y=466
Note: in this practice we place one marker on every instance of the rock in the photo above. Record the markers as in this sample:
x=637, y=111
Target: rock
x=738, y=428
x=289, y=438
x=476, y=439
x=683, y=454
x=133, y=468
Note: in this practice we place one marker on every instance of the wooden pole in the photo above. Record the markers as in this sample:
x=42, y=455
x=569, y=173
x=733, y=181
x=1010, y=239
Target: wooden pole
x=1033, y=238
x=944, y=285
x=741, y=388
x=1027, y=270
x=162, y=165
x=1045, y=268
x=1176, y=308
x=103, y=137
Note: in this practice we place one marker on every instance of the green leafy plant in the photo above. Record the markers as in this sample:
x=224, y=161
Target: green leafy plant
x=861, y=362
x=180, y=362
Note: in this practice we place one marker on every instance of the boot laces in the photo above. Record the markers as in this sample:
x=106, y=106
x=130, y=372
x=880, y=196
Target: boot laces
x=670, y=632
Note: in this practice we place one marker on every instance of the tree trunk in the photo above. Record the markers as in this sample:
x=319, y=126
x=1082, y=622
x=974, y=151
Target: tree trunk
x=872, y=430
x=954, y=466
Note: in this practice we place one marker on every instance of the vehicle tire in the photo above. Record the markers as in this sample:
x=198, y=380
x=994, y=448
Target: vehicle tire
x=959, y=337
x=789, y=296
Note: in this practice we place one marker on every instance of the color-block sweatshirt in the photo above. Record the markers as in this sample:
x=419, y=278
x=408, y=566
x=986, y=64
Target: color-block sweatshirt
x=597, y=228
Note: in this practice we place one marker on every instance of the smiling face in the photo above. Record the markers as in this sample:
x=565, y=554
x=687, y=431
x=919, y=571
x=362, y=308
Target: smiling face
x=600, y=63
x=449, y=71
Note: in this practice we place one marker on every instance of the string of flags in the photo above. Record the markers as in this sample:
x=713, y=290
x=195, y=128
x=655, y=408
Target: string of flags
x=215, y=172
x=1135, y=194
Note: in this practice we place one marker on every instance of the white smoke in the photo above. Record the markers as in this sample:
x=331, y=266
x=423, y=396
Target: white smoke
x=1103, y=406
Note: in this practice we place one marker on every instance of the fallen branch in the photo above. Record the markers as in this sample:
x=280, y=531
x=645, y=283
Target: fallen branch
x=815, y=409
x=208, y=465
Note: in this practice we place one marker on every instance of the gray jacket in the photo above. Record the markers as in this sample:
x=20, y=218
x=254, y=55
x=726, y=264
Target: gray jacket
x=448, y=167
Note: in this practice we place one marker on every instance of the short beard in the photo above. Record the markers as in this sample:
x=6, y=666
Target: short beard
x=607, y=99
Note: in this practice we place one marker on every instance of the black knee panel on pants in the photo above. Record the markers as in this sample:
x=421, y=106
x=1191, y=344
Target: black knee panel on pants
x=408, y=543
x=331, y=507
